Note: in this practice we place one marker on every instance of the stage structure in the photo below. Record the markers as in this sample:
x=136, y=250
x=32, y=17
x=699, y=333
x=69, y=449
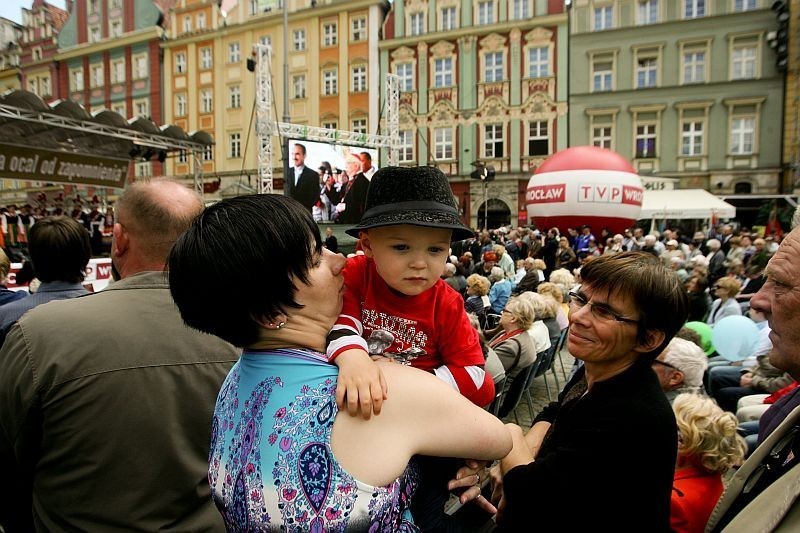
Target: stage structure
x=65, y=131
x=266, y=127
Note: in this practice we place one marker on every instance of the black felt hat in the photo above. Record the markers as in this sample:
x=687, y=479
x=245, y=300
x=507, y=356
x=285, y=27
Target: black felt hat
x=419, y=196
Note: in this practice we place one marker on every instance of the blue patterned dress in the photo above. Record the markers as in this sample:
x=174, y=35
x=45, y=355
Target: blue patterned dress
x=271, y=467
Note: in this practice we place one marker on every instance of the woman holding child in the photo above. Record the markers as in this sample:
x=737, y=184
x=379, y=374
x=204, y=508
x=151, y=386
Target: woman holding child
x=282, y=456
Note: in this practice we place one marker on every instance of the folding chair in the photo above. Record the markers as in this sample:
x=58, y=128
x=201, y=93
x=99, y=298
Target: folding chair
x=562, y=340
x=514, y=392
x=545, y=360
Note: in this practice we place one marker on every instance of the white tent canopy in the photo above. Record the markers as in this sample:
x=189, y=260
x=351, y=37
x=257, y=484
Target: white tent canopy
x=684, y=204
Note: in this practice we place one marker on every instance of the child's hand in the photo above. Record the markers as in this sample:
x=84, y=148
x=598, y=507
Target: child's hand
x=361, y=384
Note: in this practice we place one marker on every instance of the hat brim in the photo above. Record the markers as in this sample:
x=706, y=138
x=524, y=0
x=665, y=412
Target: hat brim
x=426, y=219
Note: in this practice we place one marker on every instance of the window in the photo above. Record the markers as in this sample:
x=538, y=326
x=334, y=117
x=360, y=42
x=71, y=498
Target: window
x=405, y=71
x=742, y=135
x=692, y=138
x=120, y=109
x=97, y=76
x=443, y=143
x=77, y=80
x=265, y=40
x=234, y=145
x=330, y=125
x=743, y=62
x=604, y=18
x=299, y=40
x=206, y=62
x=116, y=28
x=519, y=9
x=360, y=125
x=144, y=169
x=180, y=63
x=234, y=52
x=180, y=105
x=45, y=86
x=447, y=19
x=93, y=6
x=142, y=108
x=539, y=62
x=253, y=7
x=694, y=66
x=330, y=83
x=234, y=96
x=744, y=5
x=486, y=12
x=201, y=21
x=443, y=72
x=648, y=12
x=417, y=25
x=601, y=136
x=94, y=34
x=206, y=101
x=329, y=34
x=118, y=71
x=646, y=72
x=358, y=29
x=493, y=140
x=406, y=148
x=299, y=86
x=645, y=141
x=538, y=142
x=602, y=76
x=493, y=67
x=183, y=156
x=33, y=86
x=358, y=79
x=140, y=66
x=187, y=24
x=208, y=153
x=694, y=8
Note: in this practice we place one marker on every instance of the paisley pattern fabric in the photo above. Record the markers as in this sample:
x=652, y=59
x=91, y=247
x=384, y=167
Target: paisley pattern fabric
x=270, y=464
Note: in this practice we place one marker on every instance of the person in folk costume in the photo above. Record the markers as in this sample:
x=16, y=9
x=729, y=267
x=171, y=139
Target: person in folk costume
x=13, y=229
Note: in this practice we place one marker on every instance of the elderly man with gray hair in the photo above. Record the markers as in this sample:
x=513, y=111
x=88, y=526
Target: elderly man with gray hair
x=680, y=368
x=716, y=261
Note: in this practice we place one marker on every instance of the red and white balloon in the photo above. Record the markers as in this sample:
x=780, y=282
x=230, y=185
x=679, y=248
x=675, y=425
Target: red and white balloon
x=585, y=185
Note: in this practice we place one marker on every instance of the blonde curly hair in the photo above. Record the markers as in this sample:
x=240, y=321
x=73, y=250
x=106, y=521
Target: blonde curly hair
x=550, y=289
x=479, y=284
x=708, y=433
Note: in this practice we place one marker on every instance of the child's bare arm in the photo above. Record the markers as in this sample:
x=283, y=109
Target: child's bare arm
x=361, y=385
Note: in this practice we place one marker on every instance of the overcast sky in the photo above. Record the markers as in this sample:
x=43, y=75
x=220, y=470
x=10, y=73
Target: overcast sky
x=12, y=9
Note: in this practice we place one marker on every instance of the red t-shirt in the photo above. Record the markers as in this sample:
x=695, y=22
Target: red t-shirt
x=431, y=331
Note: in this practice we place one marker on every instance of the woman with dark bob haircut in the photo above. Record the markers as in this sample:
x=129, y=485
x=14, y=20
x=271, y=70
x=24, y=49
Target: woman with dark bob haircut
x=282, y=457
x=602, y=456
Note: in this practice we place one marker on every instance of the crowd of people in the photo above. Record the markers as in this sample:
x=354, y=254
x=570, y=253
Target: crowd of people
x=354, y=393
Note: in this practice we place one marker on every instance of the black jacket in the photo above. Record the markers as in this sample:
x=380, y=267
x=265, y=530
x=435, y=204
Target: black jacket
x=354, y=199
x=306, y=191
x=607, y=463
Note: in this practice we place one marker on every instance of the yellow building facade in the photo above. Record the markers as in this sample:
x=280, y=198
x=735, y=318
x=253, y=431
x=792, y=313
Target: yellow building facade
x=333, y=71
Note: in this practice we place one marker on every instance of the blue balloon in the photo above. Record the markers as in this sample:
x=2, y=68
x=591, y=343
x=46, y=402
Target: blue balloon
x=735, y=337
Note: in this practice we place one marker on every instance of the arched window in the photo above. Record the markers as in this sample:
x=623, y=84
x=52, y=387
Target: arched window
x=743, y=187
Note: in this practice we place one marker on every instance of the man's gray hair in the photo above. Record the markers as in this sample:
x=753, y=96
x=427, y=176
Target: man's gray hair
x=689, y=358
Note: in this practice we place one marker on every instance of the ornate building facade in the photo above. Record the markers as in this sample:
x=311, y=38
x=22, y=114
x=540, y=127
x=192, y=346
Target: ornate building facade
x=483, y=84
x=333, y=79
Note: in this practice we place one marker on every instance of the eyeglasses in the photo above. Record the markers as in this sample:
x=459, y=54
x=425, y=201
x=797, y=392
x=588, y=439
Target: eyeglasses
x=663, y=363
x=599, y=311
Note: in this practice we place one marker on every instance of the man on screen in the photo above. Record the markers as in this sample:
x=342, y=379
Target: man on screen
x=302, y=183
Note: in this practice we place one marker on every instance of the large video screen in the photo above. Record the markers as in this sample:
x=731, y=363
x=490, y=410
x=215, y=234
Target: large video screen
x=335, y=154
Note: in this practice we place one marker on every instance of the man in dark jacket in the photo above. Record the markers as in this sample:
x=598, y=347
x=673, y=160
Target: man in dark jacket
x=302, y=183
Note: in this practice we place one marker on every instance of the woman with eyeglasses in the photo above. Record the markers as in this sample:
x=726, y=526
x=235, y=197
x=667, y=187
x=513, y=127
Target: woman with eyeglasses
x=725, y=289
x=602, y=456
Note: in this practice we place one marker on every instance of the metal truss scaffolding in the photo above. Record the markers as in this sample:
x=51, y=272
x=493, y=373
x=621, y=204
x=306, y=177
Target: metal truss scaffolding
x=266, y=127
x=146, y=140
